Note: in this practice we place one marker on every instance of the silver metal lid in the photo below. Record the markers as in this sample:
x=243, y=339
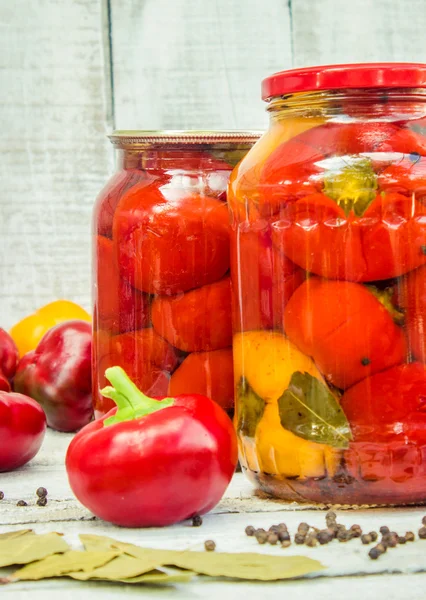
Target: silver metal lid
x=127, y=138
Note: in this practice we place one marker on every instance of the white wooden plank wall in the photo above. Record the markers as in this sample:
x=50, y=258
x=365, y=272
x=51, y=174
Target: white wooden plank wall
x=332, y=31
x=196, y=63
x=54, y=156
x=175, y=64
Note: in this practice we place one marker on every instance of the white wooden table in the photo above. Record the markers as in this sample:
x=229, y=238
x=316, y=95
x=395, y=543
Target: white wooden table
x=396, y=575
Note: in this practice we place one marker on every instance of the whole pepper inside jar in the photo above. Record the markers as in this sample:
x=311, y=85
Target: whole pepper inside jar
x=162, y=291
x=328, y=259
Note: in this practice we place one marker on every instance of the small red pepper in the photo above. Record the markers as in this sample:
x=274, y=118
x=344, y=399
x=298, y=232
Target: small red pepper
x=58, y=375
x=22, y=429
x=152, y=462
x=8, y=360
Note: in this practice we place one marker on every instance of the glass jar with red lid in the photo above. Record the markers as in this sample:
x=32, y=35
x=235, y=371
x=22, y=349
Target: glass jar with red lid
x=328, y=265
x=162, y=294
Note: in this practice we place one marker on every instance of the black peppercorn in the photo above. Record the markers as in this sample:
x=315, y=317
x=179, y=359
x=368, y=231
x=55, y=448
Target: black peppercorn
x=197, y=521
x=402, y=539
x=41, y=492
x=373, y=535
x=299, y=538
x=250, y=530
x=311, y=541
x=209, y=545
x=283, y=536
x=390, y=541
x=303, y=528
x=374, y=553
x=424, y=521
x=343, y=536
x=324, y=537
x=384, y=530
x=1, y=495
x=422, y=533
x=262, y=537
x=286, y=544
x=274, y=528
x=42, y=501
x=355, y=531
x=409, y=536
x=331, y=515
x=381, y=547
x=272, y=538
x=365, y=361
x=21, y=503
x=332, y=532
x=282, y=527
x=259, y=530
x=366, y=538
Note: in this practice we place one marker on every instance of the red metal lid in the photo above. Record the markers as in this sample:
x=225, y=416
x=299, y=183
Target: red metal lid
x=336, y=77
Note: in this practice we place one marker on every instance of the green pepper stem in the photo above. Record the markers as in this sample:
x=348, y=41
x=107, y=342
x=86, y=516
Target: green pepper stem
x=131, y=402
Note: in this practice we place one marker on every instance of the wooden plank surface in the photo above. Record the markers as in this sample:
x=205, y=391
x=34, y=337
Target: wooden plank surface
x=225, y=524
x=340, y=31
x=54, y=155
x=195, y=64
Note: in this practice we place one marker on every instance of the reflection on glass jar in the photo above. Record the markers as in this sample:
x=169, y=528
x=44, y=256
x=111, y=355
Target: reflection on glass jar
x=328, y=265
x=162, y=292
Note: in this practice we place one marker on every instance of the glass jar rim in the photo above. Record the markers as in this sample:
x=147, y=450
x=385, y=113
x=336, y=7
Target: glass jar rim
x=128, y=138
x=345, y=76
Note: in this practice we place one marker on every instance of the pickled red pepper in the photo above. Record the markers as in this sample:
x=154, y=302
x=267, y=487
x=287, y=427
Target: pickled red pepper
x=330, y=372
x=162, y=308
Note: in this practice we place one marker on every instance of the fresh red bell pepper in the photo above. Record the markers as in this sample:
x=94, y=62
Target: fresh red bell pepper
x=8, y=360
x=4, y=383
x=22, y=429
x=152, y=462
x=58, y=375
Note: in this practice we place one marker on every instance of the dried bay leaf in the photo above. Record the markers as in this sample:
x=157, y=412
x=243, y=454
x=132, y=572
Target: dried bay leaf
x=122, y=567
x=96, y=542
x=91, y=541
x=28, y=548
x=162, y=576
x=14, y=534
x=250, y=565
x=250, y=409
x=309, y=410
x=58, y=565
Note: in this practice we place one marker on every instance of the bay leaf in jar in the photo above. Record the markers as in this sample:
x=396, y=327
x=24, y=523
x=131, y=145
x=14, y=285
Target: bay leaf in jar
x=250, y=408
x=308, y=409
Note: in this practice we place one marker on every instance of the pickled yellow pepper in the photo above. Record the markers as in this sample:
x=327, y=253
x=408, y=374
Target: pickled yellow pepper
x=266, y=361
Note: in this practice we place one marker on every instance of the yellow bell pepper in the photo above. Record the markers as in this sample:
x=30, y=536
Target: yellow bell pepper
x=267, y=361
x=28, y=332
